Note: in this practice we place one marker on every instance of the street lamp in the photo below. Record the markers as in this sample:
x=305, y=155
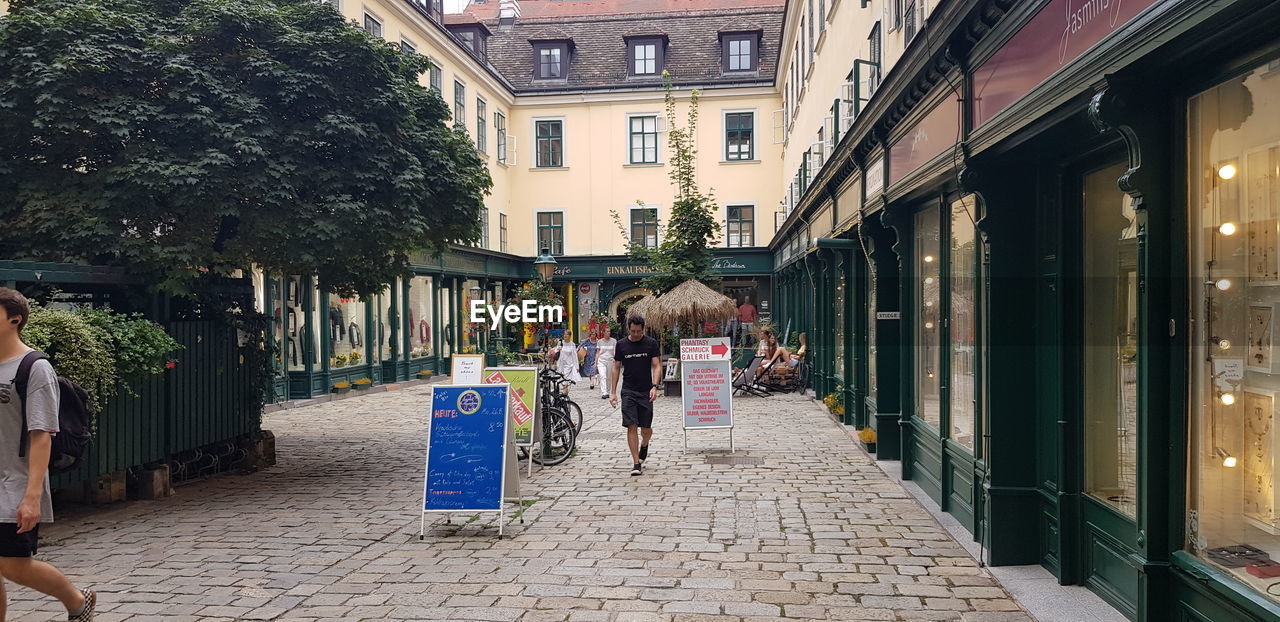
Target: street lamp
x=546, y=264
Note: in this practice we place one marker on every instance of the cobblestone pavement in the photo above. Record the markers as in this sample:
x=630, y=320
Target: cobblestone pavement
x=811, y=530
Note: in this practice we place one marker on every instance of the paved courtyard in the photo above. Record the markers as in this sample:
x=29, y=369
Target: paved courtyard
x=807, y=529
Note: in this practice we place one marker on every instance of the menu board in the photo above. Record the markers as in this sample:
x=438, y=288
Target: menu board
x=466, y=448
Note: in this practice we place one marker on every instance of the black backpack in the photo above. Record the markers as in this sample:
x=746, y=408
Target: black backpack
x=72, y=440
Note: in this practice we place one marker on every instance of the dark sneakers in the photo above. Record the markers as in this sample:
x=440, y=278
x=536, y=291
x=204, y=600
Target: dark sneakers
x=644, y=453
x=635, y=470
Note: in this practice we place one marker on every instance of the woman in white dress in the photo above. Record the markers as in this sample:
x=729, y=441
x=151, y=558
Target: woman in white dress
x=567, y=361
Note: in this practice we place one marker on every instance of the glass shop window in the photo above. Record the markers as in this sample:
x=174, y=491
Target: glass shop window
x=1234, y=201
x=420, y=316
x=963, y=286
x=1109, y=360
x=387, y=348
x=345, y=316
x=928, y=325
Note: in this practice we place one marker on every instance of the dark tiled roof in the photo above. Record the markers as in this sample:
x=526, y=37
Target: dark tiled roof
x=599, y=59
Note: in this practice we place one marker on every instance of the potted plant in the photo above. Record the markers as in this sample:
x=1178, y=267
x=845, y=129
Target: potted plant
x=424, y=373
x=353, y=359
x=362, y=384
x=339, y=361
x=341, y=387
x=835, y=402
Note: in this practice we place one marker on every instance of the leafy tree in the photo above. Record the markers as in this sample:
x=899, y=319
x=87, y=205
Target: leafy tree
x=182, y=137
x=685, y=250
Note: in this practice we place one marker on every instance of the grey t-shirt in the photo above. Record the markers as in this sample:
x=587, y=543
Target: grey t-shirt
x=42, y=414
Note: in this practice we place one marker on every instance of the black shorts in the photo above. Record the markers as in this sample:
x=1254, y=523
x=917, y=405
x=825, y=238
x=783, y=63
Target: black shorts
x=14, y=544
x=636, y=409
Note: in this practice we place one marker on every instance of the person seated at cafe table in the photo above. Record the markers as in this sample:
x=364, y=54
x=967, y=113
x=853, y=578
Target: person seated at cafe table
x=773, y=353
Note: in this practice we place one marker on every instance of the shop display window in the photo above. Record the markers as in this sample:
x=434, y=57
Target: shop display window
x=1234, y=201
x=420, y=320
x=386, y=350
x=963, y=325
x=872, y=385
x=1109, y=364
x=928, y=325
x=446, y=321
x=346, y=318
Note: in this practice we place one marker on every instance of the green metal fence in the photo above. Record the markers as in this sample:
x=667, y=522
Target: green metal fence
x=206, y=398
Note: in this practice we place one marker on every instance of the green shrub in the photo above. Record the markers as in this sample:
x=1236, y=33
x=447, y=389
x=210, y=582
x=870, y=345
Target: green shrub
x=140, y=347
x=78, y=349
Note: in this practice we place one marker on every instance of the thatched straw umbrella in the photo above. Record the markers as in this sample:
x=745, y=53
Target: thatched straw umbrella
x=691, y=302
x=640, y=307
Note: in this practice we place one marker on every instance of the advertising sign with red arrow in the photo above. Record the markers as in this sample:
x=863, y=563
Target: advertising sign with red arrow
x=707, y=349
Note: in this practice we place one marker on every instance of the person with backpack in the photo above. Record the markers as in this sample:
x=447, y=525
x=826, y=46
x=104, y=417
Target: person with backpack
x=30, y=393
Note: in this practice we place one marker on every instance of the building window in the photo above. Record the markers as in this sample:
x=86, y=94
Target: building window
x=962, y=321
x=551, y=232
x=502, y=232
x=822, y=15
x=337, y=4
x=928, y=325
x=484, y=227
x=436, y=75
x=372, y=25
x=500, y=127
x=550, y=143
x=740, y=52
x=897, y=14
x=1109, y=364
x=460, y=105
x=876, y=46
x=482, y=126
x=646, y=57
x=550, y=60
x=437, y=10
x=1233, y=186
x=407, y=47
x=739, y=136
x=909, y=21
x=644, y=140
x=741, y=226
x=644, y=226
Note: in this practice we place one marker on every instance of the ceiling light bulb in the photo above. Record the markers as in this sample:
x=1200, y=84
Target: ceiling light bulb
x=928, y=324
x=1225, y=344
x=1227, y=398
x=1229, y=462
x=928, y=280
x=928, y=258
x=1227, y=228
x=1227, y=171
x=1223, y=284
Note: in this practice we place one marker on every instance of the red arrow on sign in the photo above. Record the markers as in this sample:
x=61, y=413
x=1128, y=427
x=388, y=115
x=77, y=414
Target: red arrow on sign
x=719, y=349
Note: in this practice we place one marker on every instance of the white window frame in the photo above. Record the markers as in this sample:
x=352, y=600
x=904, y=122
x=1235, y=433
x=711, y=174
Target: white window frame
x=724, y=134
x=412, y=46
x=382, y=25
x=453, y=104
x=482, y=125
x=564, y=142
x=504, y=233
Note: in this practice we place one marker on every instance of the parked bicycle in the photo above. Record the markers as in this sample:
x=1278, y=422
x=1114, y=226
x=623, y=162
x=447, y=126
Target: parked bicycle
x=555, y=394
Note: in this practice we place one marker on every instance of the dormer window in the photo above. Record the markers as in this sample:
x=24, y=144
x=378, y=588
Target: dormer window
x=740, y=51
x=645, y=56
x=551, y=60
x=473, y=37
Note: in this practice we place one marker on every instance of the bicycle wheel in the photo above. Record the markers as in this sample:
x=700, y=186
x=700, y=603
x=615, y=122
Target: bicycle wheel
x=575, y=411
x=559, y=437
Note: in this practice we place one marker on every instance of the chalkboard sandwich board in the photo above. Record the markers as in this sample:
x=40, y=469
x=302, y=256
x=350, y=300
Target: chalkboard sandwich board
x=467, y=450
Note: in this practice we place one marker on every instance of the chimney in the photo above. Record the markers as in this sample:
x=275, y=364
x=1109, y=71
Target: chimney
x=508, y=11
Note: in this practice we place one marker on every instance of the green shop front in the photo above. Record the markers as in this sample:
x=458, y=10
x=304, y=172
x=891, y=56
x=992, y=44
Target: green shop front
x=1064, y=291
x=608, y=284
x=326, y=342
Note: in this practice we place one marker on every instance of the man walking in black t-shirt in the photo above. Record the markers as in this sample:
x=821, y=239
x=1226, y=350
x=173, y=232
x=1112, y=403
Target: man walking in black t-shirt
x=637, y=360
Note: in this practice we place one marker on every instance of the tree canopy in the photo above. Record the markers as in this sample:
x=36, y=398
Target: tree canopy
x=180, y=137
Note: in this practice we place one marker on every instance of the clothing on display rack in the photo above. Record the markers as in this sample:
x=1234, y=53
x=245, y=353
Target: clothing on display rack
x=293, y=322
x=336, y=324
x=354, y=335
x=424, y=333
